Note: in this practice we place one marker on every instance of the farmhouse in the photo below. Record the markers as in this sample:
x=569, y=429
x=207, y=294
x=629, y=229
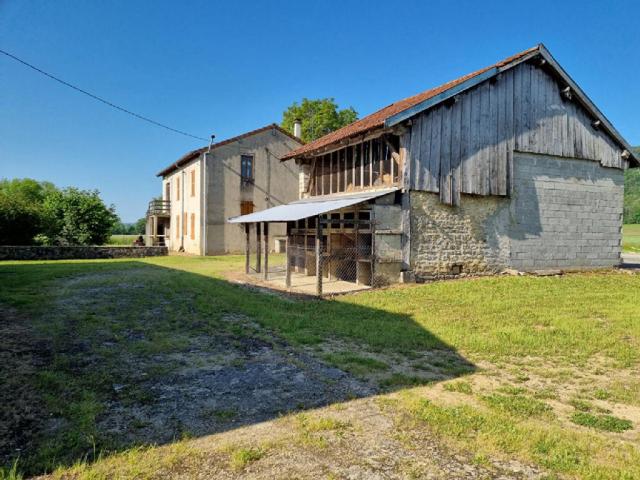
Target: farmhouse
x=232, y=177
x=511, y=166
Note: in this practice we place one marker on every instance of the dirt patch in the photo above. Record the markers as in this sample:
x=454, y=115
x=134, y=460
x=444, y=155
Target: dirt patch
x=219, y=383
x=20, y=357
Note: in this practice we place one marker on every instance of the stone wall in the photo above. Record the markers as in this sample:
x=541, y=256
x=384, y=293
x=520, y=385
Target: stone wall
x=563, y=214
x=67, y=253
x=468, y=239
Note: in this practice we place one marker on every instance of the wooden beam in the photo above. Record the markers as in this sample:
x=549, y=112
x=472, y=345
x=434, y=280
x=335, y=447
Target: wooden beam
x=288, y=258
x=258, y=246
x=247, y=248
x=265, y=246
x=318, y=257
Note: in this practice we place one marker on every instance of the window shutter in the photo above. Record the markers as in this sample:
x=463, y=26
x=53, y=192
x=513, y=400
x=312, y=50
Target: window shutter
x=193, y=182
x=193, y=226
x=177, y=226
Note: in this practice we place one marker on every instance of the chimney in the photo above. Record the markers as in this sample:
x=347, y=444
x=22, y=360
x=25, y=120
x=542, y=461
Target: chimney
x=297, y=128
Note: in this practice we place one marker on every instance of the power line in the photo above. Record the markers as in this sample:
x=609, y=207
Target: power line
x=95, y=97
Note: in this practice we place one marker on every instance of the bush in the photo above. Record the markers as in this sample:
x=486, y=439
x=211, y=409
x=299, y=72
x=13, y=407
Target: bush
x=76, y=217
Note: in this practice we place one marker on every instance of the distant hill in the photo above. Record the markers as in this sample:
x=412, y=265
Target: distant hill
x=632, y=194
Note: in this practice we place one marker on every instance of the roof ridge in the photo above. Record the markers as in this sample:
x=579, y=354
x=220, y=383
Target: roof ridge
x=194, y=153
x=377, y=118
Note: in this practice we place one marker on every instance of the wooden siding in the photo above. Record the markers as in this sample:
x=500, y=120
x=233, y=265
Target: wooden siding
x=467, y=145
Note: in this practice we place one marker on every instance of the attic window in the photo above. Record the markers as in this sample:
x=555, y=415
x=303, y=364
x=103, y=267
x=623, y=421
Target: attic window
x=246, y=168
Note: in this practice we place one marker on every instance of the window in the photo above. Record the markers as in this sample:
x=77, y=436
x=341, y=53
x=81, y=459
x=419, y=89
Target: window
x=177, y=226
x=193, y=182
x=246, y=208
x=193, y=226
x=178, y=188
x=167, y=191
x=246, y=168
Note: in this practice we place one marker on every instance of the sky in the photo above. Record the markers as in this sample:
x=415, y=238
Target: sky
x=227, y=67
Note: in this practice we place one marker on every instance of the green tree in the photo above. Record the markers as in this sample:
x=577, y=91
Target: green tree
x=20, y=209
x=19, y=220
x=318, y=117
x=140, y=226
x=76, y=217
x=632, y=193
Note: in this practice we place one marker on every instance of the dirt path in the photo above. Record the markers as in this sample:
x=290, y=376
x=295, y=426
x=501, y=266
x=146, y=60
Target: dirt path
x=22, y=410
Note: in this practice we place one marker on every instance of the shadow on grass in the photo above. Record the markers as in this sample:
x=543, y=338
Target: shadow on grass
x=103, y=356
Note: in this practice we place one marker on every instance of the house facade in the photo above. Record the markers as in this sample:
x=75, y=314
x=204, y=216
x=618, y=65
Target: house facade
x=511, y=166
x=206, y=186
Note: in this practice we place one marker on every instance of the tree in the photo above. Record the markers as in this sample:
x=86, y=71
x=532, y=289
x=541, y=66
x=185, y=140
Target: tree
x=20, y=209
x=318, y=117
x=19, y=220
x=76, y=217
x=140, y=227
x=632, y=193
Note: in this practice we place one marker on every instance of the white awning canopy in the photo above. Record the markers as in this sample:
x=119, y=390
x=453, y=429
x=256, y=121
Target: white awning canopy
x=310, y=207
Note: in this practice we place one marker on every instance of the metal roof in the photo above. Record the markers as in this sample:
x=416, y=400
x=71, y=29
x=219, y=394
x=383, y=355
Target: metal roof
x=310, y=207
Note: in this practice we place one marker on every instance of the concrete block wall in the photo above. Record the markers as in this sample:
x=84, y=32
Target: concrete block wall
x=565, y=213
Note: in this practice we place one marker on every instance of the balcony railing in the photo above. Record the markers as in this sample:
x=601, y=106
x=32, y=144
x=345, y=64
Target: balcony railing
x=159, y=207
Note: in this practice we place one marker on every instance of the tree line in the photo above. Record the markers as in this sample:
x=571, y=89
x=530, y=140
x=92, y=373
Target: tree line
x=39, y=213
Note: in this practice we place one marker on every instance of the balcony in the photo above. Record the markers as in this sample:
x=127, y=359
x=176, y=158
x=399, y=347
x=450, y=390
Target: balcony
x=160, y=208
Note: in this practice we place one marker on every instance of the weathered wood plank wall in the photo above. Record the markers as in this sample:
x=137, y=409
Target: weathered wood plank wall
x=466, y=146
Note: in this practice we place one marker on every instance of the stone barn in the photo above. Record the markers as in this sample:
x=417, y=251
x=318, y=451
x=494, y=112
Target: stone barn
x=511, y=166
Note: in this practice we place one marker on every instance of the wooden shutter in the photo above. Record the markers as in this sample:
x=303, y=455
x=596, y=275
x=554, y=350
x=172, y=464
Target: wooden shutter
x=178, y=188
x=246, y=208
x=177, y=226
x=193, y=226
x=185, y=219
x=193, y=182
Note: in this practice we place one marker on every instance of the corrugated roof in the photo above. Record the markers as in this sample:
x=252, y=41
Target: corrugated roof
x=186, y=158
x=377, y=119
x=309, y=207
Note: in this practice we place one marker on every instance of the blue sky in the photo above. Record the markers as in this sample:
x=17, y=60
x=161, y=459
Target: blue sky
x=228, y=67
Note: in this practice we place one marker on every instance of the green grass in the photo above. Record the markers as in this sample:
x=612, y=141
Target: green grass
x=631, y=238
x=517, y=405
x=355, y=364
x=242, y=457
x=122, y=240
x=608, y=423
x=565, y=321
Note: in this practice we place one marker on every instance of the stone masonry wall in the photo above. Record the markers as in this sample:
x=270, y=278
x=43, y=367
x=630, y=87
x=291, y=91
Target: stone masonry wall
x=448, y=240
x=68, y=253
x=563, y=214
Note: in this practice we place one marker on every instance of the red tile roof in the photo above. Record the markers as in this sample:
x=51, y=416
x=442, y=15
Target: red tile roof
x=377, y=119
x=186, y=158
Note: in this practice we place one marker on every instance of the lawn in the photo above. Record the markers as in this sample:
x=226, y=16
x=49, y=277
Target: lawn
x=631, y=238
x=118, y=356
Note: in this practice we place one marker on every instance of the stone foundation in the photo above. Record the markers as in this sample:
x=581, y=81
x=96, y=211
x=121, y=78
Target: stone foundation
x=68, y=253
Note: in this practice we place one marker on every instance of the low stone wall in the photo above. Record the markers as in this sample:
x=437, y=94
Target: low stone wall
x=68, y=253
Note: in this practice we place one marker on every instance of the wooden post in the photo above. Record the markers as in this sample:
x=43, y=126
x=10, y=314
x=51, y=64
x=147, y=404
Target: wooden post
x=318, y=256
x=258, y=246
x=265, y=239
x=288, y=261
x=356, y=215
x=247, y=248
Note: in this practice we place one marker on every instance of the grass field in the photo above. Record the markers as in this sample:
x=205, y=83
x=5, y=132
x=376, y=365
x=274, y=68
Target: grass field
x=538, y=370
x=631, y=238
x=124, y=240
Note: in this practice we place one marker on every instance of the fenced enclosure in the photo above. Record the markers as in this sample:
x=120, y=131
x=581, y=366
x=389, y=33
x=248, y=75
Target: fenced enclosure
x=325, y=255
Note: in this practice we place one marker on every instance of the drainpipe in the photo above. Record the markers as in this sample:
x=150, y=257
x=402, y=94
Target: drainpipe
x=203, y=201
x=182, y=194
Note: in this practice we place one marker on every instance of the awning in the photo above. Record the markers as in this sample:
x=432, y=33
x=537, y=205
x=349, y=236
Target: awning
x=309, y=207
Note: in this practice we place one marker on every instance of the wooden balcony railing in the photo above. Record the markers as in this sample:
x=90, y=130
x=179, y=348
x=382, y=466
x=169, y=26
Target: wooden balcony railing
x=159, y=207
